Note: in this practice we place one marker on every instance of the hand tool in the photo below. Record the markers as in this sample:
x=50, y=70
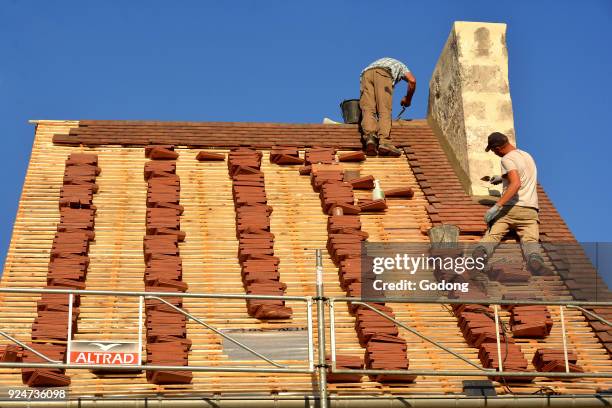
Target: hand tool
x=400, y=114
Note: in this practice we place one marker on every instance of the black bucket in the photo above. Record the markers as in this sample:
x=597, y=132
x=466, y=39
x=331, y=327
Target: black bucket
x=351, y=112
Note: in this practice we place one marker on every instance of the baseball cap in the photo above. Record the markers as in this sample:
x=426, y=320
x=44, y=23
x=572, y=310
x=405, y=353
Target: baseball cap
x=496, y=139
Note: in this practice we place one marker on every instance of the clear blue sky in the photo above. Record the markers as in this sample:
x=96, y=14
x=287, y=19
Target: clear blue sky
x=290, y=61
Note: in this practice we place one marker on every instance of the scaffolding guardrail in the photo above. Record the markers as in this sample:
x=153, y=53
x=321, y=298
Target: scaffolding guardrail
x=321, y=367
x=481, y=371
x=278, y=368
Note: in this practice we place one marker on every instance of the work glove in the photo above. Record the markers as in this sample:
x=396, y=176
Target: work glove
x=495, y=180
x=492, y=213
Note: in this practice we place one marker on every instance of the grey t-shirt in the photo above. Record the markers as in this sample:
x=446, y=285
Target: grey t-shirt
x=523, y=163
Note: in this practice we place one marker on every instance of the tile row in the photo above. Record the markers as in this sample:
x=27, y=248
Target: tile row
x=166, y=327
x=477, y=324
x=384, y=348
x=227, y=135
x=67, y=269
x=259, y=266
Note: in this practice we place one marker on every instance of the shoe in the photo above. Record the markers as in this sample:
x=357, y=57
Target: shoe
x=387, y=149
x=480, y=252
x=536, y=265
x=371, y=145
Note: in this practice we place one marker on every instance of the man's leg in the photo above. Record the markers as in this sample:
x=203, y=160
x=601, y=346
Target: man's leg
x=528, y=230
x=383, y=85
x=367, y=103
x=492, y=237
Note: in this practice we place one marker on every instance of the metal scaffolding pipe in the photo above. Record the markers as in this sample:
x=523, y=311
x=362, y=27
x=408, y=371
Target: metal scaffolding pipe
x=476, y=373
x=161, y=294
x=217, y=331
x=591, y=314
x=321, y=331
x=568, y=303
x=25, y=346
x=148, y=367
x=574, y=401
x=402, y=325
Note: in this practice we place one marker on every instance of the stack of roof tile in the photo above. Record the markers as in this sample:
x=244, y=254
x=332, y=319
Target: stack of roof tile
x=345, y=362
x=532, y=321
x=478, y=327
x=210, y=156
x=363, y=183
x=317, y=155
x=10, y=353
x=285, y=155
x=167, y=342
x=367, y=205
x=67, y=267
x=513, y=359
x=344, y=241
x=260, y=274
x=161, y=152
x=328, y=180
x=400, y=192
x=357, y=156
x=553, y=361
x=38, y=377
x=336, y=193
x=79, y=181
x=384, y=348
x=476, y=324
x=385, y=351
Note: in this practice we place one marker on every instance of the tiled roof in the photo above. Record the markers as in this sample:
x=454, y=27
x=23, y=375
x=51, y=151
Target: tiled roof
x=449, y=204
x=209, y=253
x=225, y=134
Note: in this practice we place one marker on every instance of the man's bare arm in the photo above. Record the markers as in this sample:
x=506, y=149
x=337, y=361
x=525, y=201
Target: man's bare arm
x=407, y=100
x=513, y=187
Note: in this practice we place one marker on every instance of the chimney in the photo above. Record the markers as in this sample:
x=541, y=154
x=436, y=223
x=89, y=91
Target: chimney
x=469, y=97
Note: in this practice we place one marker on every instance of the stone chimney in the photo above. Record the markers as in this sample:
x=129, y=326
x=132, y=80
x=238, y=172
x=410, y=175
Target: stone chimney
x=469, y=97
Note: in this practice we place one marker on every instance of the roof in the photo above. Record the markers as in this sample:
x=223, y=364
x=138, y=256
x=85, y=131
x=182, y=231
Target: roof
x=209, y=258
x=224, y=134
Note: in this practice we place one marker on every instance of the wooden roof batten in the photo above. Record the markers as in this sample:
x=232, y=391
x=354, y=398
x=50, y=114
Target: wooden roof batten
x=121, y=155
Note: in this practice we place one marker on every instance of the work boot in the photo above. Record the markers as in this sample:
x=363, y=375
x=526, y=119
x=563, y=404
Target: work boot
x=536, y=265
x=481, y=252
x=371, y=142
x=388, y=149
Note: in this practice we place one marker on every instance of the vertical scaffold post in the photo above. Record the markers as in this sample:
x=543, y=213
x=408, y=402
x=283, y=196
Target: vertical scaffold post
x=499, y=356
x=321, y=332
x=565, y=358
x=69, y=336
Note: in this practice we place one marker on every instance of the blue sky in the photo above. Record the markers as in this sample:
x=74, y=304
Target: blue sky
x=285, y=61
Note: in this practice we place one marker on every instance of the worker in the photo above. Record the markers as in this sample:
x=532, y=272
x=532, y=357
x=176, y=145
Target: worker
x=376, y=96
x=517, y=208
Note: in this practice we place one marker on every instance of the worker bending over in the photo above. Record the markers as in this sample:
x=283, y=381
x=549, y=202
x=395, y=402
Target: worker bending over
x=376, y=98
x=517, y=208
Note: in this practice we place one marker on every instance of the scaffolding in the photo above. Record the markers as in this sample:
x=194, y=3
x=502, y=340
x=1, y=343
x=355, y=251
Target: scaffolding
x=317, y=367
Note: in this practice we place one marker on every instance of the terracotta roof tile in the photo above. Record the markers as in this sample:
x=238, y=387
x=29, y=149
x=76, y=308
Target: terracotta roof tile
x=224, y=134
x=208, y=259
